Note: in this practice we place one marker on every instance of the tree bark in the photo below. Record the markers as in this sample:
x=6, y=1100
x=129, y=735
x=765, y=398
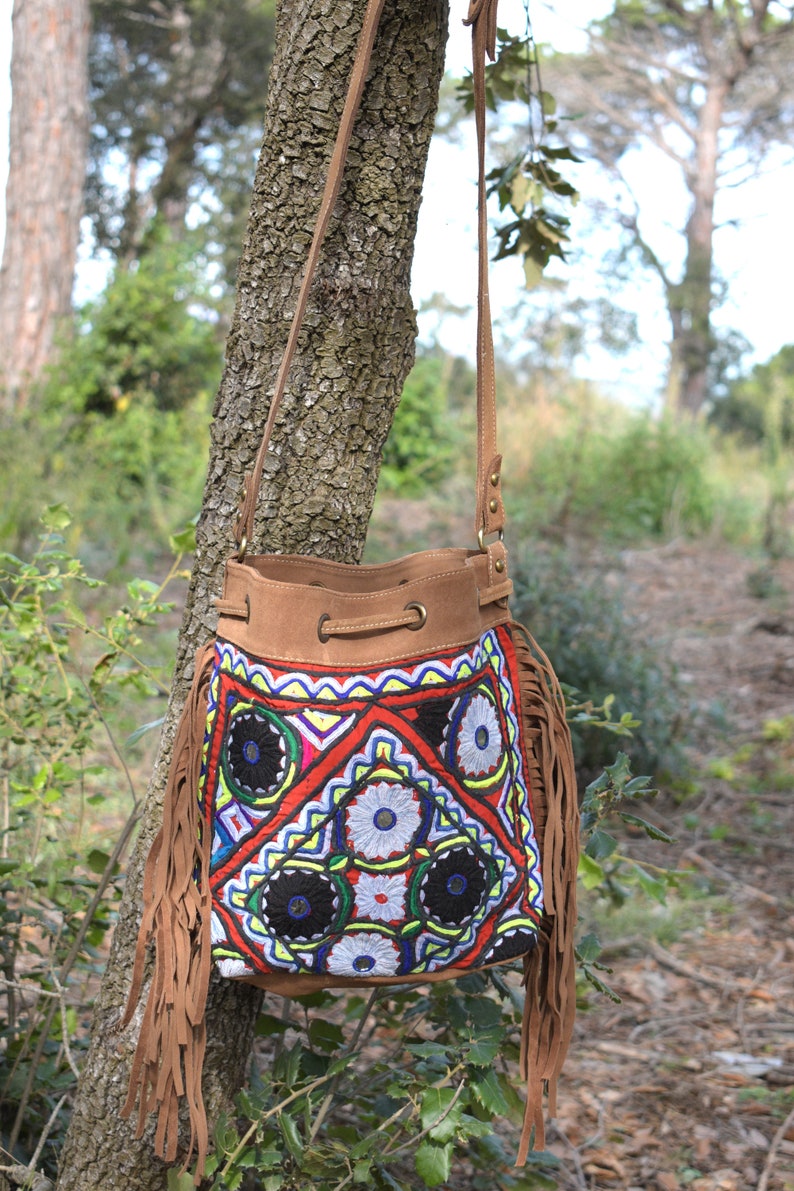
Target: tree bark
x=44, y=194
x=320, y=482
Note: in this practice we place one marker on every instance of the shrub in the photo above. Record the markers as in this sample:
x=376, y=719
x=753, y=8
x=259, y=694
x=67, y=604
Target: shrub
x=599, y=653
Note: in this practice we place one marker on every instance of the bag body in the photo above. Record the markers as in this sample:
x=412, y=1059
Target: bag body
x=366, y=791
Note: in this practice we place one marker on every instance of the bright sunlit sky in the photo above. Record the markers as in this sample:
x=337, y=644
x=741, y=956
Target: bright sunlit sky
x=754, y=248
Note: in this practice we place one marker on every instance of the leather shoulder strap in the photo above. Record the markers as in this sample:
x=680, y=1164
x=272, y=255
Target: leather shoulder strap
x=489, y=512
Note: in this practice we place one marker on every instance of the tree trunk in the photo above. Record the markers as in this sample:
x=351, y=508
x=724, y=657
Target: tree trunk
x=44, y=195
x=690, y=302
x=320, y=483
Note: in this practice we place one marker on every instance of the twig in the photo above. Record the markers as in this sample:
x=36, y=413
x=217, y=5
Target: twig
x=741, y=887
x=413, y=1140
x=683, y=968
x=351, y=1046
x=31, y=988
x=395, y=1116
x=112, y=740
x=777, y=1141
x=46, y=1133
x=577, y=1159
x=61, y=992
x=271, y=1112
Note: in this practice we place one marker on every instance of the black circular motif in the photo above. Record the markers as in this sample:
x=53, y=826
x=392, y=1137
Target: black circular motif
x=297, y=904
x=453, y=886
x=255, y=750
x=510, y=946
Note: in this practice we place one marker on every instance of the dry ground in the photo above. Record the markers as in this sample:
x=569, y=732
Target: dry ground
x=689, y=1082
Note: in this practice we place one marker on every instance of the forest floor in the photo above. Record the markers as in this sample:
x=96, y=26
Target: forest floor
x=689, y=1081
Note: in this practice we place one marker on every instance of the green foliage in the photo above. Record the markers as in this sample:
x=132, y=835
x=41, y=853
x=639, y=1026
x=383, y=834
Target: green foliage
x=626, y=476
x=760, y=407
x=140, y=341
x=530, y=185
x=404, y=1090
x=616, y=681
x=419, y=450
x=121, y=434
x=62, y=674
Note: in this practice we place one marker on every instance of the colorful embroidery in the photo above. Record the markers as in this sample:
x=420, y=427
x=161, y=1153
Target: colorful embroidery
x=375, y=825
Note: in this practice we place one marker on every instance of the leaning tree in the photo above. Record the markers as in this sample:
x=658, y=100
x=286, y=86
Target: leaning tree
x=320, y=481
x=707, y=85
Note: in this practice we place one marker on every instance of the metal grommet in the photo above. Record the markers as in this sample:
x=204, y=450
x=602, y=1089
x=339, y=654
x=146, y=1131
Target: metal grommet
x=324, y=637
x=499, y=565
x=317, y=583
x=420, y=608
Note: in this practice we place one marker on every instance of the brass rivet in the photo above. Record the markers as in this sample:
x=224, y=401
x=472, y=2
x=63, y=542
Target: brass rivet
x=493, y=505
x=499, y=565
x=494, y=478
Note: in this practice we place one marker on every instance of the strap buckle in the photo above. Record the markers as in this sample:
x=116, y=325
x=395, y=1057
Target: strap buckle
x=481, y=539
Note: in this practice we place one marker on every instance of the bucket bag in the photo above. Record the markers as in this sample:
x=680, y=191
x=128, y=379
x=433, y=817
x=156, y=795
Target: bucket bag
x=372, y=780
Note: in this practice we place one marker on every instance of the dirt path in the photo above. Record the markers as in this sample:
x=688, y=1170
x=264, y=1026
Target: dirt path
x=689, y=1082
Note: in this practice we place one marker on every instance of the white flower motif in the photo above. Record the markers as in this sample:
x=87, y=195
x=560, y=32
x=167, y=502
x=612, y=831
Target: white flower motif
x=363, y=955
x=382, y=820
x=479, y=743
x=234, y=967
x=381, y=898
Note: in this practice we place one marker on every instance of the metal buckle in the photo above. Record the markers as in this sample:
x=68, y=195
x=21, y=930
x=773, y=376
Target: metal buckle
x=481, y=539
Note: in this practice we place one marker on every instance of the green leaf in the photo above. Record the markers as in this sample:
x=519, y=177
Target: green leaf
x=183, y=542
x=484, y=1047
x=588, y=949
x=484, y=1011
x=135, y=736
x=437, y=1114
x=651, y=885
x=249, y=1157
x=292, y=1137
x=427, y=1050
x=433, y=1162
x=56, y=518
x=590, y=871
x=267, y=1024
x=325, y=1035
x=180, y=1181
x=601, y=845
x=361, y=1171
x=650, y=829
x=97, y=861
x=487, y=1089
x=341, y=1063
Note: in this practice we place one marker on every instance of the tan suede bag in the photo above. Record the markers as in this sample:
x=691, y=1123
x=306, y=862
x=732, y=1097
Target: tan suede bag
x=372, y=780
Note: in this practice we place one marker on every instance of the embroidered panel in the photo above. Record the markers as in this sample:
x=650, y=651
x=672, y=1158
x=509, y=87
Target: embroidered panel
x=371, y=825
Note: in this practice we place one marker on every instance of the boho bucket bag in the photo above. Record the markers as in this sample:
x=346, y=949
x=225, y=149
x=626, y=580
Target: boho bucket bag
x=372, y=780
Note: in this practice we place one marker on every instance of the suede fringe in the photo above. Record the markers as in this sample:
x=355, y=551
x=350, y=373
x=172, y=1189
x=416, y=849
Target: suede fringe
x=549, y=970
x=170, y=1052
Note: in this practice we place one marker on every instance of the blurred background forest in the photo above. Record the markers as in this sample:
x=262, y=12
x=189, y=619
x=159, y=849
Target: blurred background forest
x=652, y=546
